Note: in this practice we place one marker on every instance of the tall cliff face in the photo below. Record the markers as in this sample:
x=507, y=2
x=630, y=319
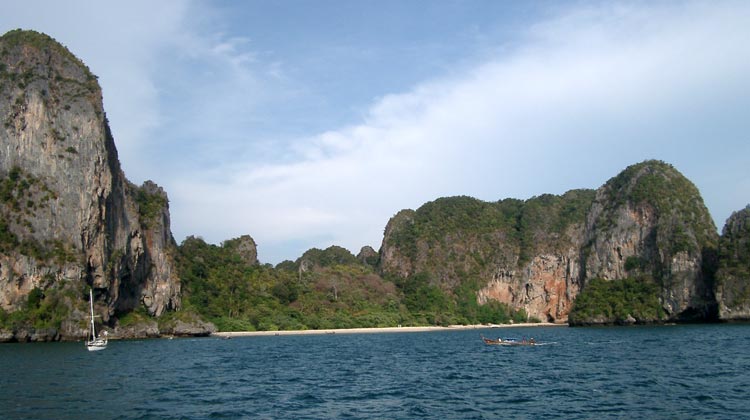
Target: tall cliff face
x=544, y=278
x=70, y=218
x=650, y=220
x=539, y=254
x=733, y=276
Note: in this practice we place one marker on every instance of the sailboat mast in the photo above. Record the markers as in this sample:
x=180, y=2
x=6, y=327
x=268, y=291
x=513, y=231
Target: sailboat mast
x=91, y=303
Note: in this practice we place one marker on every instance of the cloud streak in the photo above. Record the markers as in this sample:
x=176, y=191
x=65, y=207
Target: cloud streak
x=587, y=94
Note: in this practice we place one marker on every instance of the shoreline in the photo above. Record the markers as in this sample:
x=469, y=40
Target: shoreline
x=232, y=334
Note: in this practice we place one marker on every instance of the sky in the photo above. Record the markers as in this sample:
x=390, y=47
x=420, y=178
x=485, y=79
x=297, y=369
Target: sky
x=310, y=123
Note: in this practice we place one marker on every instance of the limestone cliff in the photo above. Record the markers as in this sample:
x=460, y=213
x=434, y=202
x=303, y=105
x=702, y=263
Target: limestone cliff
x=733, y=276
x=70, y=219
x=538, y=254
x=650, y=220
x=245, y=247
x=522, y=253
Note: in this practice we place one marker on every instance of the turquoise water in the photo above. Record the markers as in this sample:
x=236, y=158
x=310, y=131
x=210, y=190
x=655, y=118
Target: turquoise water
x=669, y=372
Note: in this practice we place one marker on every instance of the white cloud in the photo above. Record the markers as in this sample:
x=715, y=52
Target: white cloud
x=593, y=91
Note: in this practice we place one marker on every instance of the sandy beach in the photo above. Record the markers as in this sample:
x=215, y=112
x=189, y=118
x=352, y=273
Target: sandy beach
x=230, y=334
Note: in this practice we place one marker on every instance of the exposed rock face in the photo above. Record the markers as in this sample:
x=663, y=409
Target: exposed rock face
x=245, y=247
x=194, y=328
x=650, y=220
x=70, y=218
x=393, y=252
x=540, y=253
x=146, y=329
x=6, y=336
x=546, y=289
x=368, y=256
x=152, y=276
x=524, y=254
x=733, y=276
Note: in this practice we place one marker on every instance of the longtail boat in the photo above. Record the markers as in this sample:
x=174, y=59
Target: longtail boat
x=508, y=341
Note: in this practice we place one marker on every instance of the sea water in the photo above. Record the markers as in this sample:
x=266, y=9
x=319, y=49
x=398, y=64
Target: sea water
x=665, y=372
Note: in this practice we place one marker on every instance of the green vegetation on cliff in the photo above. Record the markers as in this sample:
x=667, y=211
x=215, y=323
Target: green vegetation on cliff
x=431, y=305
x=336, y=291
x=33, y=39
x=734, y=250
x=150, y=204
x=649, y=220
x=330, y=257
x=34, y=65
x=43, y=310
x=543, y=220
x=614, y=302
x=460, y=243
x=323, y=289
x=684, y=222
x=524, y=226
x=21, y=196
x=449, y=248
x=733, y=276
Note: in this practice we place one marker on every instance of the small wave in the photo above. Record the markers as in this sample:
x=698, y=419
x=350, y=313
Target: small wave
x=588, y=375
x=228, y=414
x=518, y=400
x=417, y=410
x=308, y=398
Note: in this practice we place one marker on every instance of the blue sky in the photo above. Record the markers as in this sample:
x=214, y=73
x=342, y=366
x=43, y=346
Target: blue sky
x=310, y=123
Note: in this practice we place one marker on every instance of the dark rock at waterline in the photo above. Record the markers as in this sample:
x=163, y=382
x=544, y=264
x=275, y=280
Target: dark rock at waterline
x=194, y=328
x=44, y=335
x=145, y=329
x=6, y=336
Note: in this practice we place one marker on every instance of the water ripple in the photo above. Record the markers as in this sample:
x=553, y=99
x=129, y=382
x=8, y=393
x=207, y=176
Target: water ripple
x=680, y=372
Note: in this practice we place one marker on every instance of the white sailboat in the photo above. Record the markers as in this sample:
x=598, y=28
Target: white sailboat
x=94, y=343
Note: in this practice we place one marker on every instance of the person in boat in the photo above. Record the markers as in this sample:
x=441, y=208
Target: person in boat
x=532, y=340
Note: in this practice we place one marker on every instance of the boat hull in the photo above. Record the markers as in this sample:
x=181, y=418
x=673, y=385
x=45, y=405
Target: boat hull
x=508, y=342
x=95, y=343
x=98, y=344
x=95, y=347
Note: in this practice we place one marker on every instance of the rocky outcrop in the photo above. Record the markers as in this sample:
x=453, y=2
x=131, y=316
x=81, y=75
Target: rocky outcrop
x=368, y=256
x=7, y=336
x=398, y=250
x=187, y=325
x=245, y=247
x=147, y=328
x=71, y=220
x=182, y=325
x=650, y=220
x=539, y=254
x=733, y=275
